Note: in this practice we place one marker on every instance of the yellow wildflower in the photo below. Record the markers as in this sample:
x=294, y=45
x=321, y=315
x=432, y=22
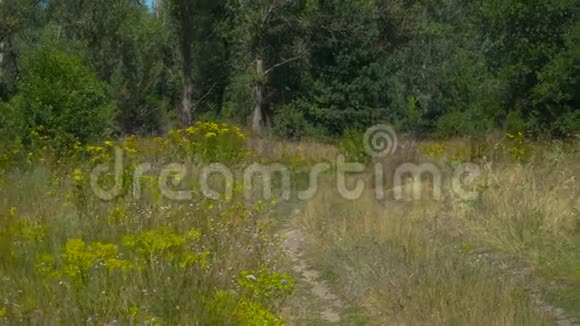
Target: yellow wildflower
x=78, y=176
x=134, y=311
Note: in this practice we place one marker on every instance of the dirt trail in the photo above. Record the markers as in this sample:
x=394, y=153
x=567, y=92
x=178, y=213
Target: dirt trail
x=329, y=303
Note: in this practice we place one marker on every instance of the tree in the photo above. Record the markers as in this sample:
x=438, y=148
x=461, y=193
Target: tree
x=125, y=45
x=265, y=35
x=139, y=72
x=345, y=81
x=63, y=97
x=19, y=22
x=529, y=45
x=192, y=22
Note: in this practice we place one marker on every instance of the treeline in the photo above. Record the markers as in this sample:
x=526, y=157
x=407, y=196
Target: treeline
x=78, y=70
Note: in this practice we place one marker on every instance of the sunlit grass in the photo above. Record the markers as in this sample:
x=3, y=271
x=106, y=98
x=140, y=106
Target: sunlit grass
x=67, y=257
x=474, y=262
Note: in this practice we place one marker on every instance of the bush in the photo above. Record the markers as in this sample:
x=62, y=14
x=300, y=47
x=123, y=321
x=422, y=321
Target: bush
x=352, y=146
x=210, y=142
x=62, y=96
x=462, y=123
x=568, y=124
x=515, y=122
x=290, y=123
x=11, y=131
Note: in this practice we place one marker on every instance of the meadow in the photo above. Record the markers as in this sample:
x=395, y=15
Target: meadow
x=508, y=256
x=68, y=257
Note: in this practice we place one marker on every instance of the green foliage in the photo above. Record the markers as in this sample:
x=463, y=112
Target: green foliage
x=210, y=142
x=265, y=286
x=568, y=124
x=441, y=69
x=80, y=259
x=142, y=260
x=352, y=146
x=138, y=73
x=290, y=123
x=515, y=122
x=462, y=123
x=62, y=96
x=240, y=310
x=517, y=146
x=537, y=62
x=346, y=86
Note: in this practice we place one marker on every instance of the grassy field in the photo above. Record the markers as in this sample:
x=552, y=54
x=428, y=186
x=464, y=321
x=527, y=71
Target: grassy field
x=508, y=256
x=69, y=257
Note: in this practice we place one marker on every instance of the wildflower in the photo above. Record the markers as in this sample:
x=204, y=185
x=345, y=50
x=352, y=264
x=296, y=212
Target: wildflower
x=95, y=149
x=108, y=143
x=78, y=176
x=210, y=135
x=130, y=149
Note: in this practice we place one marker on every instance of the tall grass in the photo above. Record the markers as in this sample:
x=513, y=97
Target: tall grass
x=494, y=260
x=68, y=257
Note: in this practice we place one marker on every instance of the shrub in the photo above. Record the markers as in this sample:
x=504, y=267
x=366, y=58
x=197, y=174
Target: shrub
x=290, y=123
x=568, y=124
x=351, y=145
x=515, y=122
x=462, y=123
x=61, y=94
x=211, y=142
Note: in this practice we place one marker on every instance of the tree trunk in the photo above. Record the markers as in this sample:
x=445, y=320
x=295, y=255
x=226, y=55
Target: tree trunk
x=186, y=101
x=157, y=7
x=258, y=116
x=1, y=60
x=3, y=81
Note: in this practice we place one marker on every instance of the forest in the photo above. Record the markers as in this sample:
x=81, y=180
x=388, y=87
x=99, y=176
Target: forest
x=303, y=68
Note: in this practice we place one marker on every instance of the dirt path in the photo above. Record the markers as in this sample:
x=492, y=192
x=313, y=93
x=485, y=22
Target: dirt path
x=314, y=302
x=328, y=303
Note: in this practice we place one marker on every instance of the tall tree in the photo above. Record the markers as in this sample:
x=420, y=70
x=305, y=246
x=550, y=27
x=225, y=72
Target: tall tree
x=123, y=42
x=193, y=21
x=20, y=20
x=264, y=33
x=527, y=44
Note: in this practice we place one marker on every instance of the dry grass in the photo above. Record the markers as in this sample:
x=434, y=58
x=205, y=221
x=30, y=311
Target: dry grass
x=271, y=150
x=485, y=261
x=67, y=257
x=481, y=262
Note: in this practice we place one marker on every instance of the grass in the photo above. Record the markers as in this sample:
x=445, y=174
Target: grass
x=380, y=258
x=497, y=259
x=68, y=257
x=509, y=256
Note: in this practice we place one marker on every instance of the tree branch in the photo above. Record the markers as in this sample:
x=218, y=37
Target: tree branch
x=206, y=94
x=279, y=64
